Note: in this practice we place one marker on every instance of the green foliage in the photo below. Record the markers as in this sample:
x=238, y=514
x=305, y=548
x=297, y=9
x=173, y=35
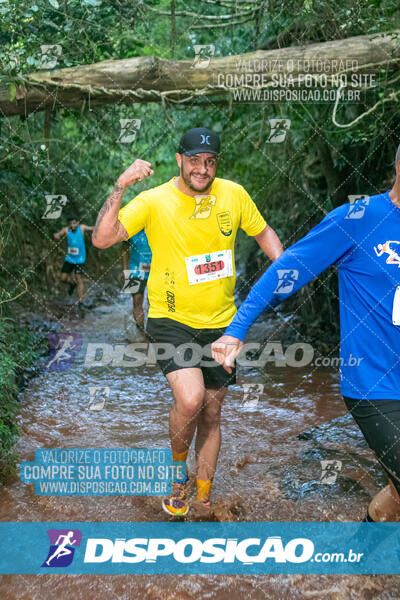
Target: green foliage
x=19, y=349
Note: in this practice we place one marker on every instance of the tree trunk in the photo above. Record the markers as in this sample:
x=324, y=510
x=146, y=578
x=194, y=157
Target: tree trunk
x=151, y=79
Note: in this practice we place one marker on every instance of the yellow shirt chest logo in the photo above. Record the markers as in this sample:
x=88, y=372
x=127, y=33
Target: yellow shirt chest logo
x=203, y=206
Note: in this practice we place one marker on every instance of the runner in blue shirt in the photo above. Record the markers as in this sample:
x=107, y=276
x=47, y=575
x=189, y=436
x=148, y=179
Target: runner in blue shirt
x=136, y=272
x=363, y=240
x=74, y=262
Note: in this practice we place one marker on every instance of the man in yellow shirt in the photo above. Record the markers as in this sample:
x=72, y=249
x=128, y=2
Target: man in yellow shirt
x=191, y=223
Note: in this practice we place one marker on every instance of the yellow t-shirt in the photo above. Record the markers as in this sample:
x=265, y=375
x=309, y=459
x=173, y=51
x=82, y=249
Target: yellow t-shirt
x=195, y=290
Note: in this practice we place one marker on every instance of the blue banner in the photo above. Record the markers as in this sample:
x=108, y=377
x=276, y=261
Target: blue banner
x=200, y=548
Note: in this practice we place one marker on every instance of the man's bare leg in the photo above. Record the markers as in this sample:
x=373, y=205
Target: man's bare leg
x=80, y=287
x=188, y=389
x=138, y=312
x=68, y=279
x=385, y=506
x=208, y=438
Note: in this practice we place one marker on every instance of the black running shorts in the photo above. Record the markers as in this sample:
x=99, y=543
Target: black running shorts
x=379, y=421
x=185, y=347
x=69, y=267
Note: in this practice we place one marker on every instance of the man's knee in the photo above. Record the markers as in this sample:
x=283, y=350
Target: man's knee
x=211, y=414
x=191, y=405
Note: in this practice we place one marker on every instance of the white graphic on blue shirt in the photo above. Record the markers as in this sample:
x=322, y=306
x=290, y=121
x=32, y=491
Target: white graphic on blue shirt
x=393, y=256
x=287, y=279
x=356, y=207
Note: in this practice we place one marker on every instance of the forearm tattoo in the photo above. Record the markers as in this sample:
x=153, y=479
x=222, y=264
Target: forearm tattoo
x=115, y=197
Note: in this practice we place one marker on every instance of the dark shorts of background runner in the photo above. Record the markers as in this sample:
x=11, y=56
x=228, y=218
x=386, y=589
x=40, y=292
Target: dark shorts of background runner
x=379, y=421
x=168, y=331
x=73, y=268
x=138, y=285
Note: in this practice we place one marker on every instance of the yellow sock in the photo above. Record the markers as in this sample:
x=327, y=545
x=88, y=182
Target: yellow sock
x=203, y=489
x=181, y=457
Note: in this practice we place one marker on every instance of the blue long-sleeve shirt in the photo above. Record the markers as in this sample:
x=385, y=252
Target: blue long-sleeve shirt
x=363, y=240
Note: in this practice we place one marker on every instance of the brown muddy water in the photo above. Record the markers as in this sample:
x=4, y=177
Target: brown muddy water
x=265, y=472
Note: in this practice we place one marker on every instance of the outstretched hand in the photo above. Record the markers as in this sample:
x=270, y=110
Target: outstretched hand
x=225, y=350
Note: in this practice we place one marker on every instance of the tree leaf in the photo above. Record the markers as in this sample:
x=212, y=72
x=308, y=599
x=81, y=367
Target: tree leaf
x=12, y=92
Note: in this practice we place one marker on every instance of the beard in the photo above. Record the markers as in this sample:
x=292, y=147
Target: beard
x=186, y=176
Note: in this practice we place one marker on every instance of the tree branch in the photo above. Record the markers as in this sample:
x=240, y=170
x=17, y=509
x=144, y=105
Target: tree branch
x=152, y=79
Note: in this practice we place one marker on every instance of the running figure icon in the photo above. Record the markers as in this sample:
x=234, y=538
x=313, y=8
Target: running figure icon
x=62, y=354
x=62, y=549
x=394, y=257
x=287, y=279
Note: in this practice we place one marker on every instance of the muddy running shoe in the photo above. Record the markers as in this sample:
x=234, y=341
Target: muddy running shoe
x=205, y=503
x=202, y=508
x=176, y=504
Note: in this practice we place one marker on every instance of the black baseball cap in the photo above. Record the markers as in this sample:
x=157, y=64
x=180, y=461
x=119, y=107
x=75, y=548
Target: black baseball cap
x=198, y=140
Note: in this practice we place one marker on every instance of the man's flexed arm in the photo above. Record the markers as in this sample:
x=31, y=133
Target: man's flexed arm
x=108, y=229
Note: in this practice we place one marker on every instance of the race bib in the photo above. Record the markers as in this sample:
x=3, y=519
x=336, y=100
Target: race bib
x=396, y=307
x=207, y=267
x=144, y=267
x=73, y=251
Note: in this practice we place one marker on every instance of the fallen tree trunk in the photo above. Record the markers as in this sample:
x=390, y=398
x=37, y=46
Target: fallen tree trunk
x=151, y=79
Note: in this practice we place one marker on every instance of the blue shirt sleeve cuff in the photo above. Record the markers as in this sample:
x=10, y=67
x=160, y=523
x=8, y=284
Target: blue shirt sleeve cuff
x=236, y=331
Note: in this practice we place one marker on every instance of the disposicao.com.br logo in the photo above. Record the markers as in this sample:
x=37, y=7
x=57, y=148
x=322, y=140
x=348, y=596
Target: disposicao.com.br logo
x=213, y=550
x=209, y=548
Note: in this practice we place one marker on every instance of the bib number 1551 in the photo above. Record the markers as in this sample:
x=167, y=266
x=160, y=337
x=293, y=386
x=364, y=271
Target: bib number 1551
x=396, y=307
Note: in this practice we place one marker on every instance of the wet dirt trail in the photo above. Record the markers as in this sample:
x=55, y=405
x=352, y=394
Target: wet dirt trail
x=265, y=472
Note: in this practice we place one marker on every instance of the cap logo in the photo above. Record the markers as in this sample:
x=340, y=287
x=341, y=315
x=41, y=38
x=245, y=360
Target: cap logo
x=205, y=139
